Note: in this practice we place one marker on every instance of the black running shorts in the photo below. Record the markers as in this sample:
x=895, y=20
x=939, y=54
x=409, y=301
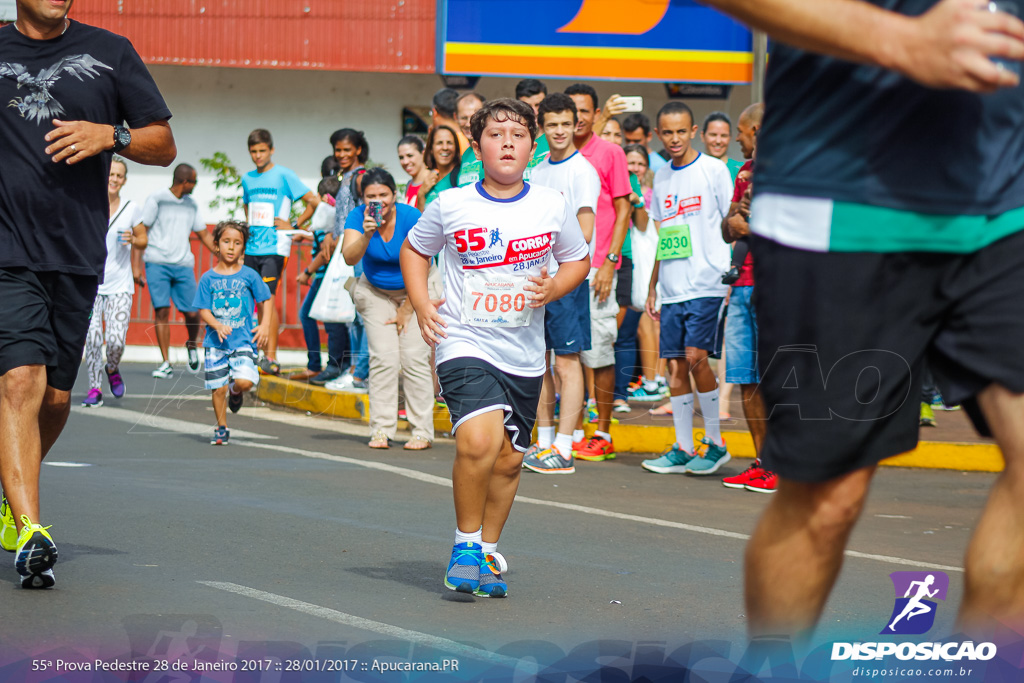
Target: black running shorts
x=45, y=321
x=270, y=267
x=471, y=386
x=843, y=338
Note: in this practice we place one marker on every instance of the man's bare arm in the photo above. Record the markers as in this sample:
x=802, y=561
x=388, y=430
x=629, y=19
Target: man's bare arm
x=74, y=141
x=947, y=47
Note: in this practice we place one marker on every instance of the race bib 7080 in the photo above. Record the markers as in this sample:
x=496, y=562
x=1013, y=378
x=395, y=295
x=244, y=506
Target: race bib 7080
x=494, y=301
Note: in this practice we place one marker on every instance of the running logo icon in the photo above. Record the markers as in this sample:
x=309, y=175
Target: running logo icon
x=915, y=607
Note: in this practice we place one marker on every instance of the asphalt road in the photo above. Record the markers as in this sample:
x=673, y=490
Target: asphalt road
x=297, y=541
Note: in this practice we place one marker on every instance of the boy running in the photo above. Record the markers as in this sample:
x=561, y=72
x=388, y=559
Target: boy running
x=489, y=343
x=226, y=297
x=691, y=198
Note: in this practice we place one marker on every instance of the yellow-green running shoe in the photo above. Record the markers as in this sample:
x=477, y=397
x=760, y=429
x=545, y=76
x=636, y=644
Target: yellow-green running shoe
x=927, y=415
x=35, y=556
x=8, y=529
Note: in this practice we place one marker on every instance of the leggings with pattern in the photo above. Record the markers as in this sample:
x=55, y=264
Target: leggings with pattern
x=116, y=310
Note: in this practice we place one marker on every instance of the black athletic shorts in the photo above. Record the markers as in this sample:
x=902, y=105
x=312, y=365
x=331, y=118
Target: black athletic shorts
x=45, y=319
x=269, y=266
x=471, y=386
x=843, y=339
x=624, y=286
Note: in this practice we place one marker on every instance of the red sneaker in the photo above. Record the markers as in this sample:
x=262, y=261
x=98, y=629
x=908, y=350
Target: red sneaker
x=596, y=449
x=738, y=481
x=766, y=483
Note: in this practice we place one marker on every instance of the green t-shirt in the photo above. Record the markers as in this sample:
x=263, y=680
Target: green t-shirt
x=472, y=170
x=734, y=168
x=442, y=185
x=627, y=246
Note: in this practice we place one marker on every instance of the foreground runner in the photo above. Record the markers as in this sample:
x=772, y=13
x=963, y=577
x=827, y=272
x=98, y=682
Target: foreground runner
x=53, y=220
x=882, y=251
x=490, y=345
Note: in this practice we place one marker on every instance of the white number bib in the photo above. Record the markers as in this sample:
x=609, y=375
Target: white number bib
x=261, y=215
x=495, y=301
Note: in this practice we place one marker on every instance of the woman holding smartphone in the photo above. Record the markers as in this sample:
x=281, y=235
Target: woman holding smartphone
x=374, y=233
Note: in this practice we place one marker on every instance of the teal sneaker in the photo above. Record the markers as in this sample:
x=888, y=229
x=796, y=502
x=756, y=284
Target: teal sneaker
x=463, y=573
x=714, y=456
x=491, y=583
x=672, y=461
x=8, y=529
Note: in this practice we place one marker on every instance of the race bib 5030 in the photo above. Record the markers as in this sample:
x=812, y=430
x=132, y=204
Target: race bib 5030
x=674, y=242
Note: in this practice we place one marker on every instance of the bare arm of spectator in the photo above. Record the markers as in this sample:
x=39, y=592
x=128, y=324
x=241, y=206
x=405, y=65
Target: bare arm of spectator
x=606, y=271
x=206, y=237
x=639, y=214
x=946, y=47
x=74, y=141
x=734, y=225
x=311, y=201
x=354, y=243
x=586, y=218
x=141, y=234
x=613, y=106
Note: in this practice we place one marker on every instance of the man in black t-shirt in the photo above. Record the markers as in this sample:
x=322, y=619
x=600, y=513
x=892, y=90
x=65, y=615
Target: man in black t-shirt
x=905, y=138
x=67, y=91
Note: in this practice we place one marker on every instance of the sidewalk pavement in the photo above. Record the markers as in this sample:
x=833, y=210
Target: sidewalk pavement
x=952, y=445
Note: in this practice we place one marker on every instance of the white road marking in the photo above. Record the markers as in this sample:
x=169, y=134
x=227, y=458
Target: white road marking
x=443, y=644
x=182, y=426
x=894, y=516
x=144, y=423
x=66, y=464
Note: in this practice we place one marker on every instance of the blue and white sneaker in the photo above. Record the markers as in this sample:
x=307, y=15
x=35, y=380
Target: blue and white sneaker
x=463, y=573
x=491, y=583
x=648, y=392
x=672, y=461
x=714, y=456
x=220, y=437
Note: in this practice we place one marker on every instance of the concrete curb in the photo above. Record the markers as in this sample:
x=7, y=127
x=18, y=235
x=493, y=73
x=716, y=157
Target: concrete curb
x=969, y=457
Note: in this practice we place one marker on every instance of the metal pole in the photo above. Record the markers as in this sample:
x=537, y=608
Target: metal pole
x=760, y=62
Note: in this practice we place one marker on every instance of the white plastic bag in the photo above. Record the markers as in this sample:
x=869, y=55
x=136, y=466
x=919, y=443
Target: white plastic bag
x=333, y=303
x=645, y=250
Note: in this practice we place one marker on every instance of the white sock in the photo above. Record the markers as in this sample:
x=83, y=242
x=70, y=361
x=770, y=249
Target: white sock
x=577, y=435
x=489, y=547
x=650, y=385
x=473, y=537
x=563, y=442
x=712, y=422
x=603, y=435
x=682, y=418
x=660, y=379
x=231, y=388
x=545, y=436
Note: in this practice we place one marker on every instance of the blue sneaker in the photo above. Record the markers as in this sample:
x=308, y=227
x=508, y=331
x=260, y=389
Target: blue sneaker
x=672, y=461
x=463, y=573
x=714, y=456
x=491, y=583
x=220, y=436
x=648, y=393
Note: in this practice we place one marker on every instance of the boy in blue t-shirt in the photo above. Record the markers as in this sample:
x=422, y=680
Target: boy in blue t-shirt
x=268, y=193
x=226, y=298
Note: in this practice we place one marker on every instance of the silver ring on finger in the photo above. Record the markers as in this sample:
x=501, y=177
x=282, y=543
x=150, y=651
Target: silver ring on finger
x=74, y=148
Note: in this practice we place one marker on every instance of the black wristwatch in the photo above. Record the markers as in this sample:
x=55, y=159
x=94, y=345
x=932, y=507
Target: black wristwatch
x=614, y=258
x=122, y=138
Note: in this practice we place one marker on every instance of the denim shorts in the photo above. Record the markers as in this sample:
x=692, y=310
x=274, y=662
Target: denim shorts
x=166, y=281
x=741, y=339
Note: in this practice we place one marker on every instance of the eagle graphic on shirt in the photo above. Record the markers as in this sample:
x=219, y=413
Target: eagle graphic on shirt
x=38, y=104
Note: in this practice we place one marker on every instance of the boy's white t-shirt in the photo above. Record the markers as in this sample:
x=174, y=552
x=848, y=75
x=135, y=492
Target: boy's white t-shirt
x=117, y=270
x=698, y=195
x=489, y=247
x=578, y=182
